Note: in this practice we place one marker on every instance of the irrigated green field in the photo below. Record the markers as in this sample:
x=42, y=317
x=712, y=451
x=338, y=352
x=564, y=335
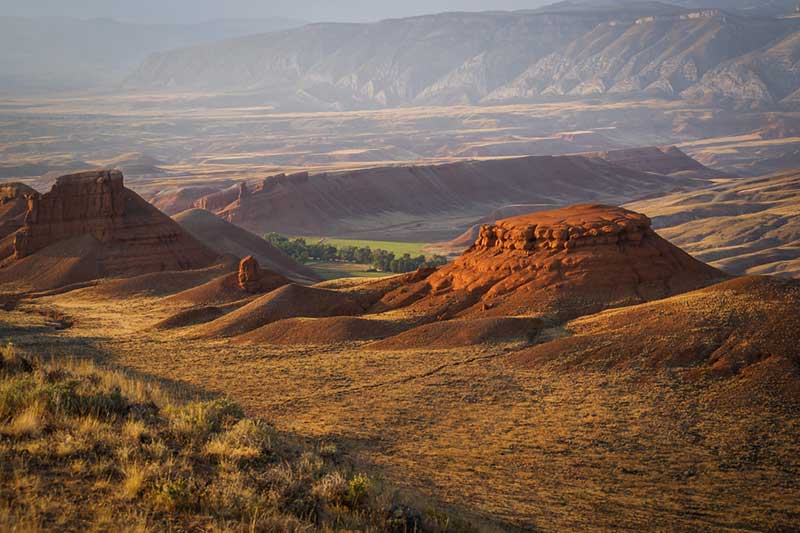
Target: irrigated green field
x=396, y=247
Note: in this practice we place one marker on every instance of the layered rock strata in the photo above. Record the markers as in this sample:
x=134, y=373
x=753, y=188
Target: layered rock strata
x=565, y=262
x=130, y=235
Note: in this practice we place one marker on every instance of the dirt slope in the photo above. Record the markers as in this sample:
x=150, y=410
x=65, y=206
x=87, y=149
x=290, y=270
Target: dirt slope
x=287, y=302
x=227, y=238
x=722, y=329
x=744, y=226
x=326, y=330
x=459, y=333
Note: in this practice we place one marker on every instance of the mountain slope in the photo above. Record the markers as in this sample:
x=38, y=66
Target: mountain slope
x=767, y=76
x=449, y=58
x=57, y=53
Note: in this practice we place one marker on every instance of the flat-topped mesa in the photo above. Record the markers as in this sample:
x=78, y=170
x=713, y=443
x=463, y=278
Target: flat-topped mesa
x=561, y=263
x=582, y=225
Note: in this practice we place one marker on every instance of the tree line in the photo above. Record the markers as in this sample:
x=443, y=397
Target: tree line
x=380, y=260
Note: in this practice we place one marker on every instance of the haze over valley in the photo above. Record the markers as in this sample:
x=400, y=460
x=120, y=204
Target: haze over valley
x=421, y=266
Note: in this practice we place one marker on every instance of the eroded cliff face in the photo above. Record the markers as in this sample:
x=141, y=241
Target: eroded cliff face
x=222, y=199
x=88, y=203
x=13, y=207
x=564, y=262
x=642, y=49
x=129, y=235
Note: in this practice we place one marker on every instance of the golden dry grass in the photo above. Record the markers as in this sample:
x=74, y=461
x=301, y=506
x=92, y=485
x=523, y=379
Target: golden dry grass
x=539, y=449
x=85, y=448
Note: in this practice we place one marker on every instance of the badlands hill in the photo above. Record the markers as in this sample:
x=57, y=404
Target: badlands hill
x=90, y=226
x=547, y=266
x=742, y=226
x=566, y=262
x=226, y=238
x=437, y=202
x=632, y=49
x=718, y=330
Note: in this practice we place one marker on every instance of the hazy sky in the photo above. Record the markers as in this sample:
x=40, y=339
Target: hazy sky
x=199, y=10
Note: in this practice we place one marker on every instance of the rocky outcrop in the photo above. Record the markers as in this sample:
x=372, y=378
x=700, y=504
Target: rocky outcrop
x=546, y=233
x=249, y=275
x=90, y=203
x=12, y=191
x=13, y=206
x=566, y=262
x=125, y=234
x=221, y=199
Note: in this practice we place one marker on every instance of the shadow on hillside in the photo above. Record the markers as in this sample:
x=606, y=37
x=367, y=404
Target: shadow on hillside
x=49, y=342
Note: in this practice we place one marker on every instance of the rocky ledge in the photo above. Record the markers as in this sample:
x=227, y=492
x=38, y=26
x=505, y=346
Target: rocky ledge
x=580, y=226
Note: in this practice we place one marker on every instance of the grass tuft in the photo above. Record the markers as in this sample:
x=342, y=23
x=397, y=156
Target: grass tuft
x=87, y=448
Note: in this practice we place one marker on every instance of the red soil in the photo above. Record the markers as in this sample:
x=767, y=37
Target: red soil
x=190, y=317
x=66, y=262
x=287, y=302
x=462, y=332
x=161, y=283
x=226, y=289
x=328, y=330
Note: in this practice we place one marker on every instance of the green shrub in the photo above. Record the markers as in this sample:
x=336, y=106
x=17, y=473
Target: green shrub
x=358, y=489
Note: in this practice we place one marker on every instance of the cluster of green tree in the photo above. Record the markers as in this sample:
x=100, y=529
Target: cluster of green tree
x=381, y=260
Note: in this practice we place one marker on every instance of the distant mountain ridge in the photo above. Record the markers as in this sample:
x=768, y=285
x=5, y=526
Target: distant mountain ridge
x=60, y=53
x=617, y=49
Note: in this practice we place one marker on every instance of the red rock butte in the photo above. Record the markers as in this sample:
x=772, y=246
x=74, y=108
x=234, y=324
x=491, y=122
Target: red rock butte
x=89, y=225
x=567, y=262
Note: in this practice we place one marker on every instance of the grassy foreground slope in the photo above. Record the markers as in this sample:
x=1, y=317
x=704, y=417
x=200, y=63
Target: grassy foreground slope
x=86, y=448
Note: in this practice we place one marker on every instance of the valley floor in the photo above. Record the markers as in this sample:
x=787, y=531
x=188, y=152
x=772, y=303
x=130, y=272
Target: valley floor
x=542, y=449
